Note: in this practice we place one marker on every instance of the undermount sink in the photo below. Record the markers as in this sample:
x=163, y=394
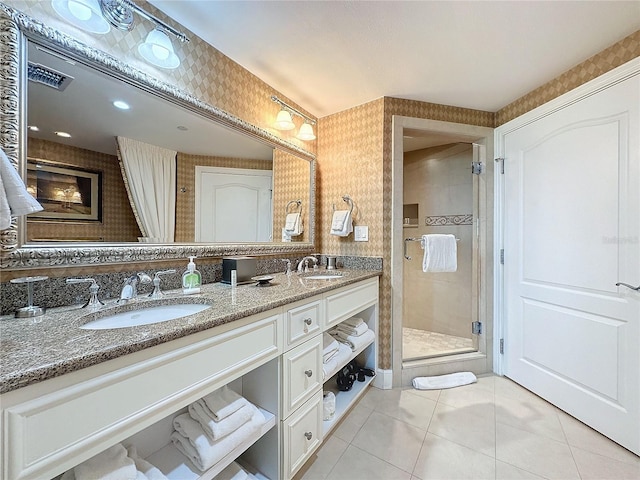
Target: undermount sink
x=145, y=316
x=323, y=276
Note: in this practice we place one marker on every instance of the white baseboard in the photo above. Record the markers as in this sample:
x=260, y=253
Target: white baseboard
x=384, y=379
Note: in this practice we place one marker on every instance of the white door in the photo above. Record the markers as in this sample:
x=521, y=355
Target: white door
x=233, y=205
x=571, y=229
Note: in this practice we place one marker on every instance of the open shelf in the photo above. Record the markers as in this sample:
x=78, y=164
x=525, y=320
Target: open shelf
x=353, y=355
x=344, y=400
x=170, y=461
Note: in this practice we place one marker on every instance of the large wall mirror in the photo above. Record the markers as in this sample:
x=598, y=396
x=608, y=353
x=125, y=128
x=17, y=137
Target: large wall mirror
x=232, y=185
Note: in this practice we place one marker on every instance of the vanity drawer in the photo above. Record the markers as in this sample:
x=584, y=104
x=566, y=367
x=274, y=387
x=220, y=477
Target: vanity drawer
x=349, y=301
x=302, y=435
x=45, y=434
x=302, y=323
x=301, y=374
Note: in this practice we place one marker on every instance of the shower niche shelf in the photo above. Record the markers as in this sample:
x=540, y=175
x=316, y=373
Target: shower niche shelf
x=410, y=215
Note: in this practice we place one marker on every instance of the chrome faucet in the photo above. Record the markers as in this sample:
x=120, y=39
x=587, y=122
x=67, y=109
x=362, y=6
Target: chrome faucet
x=157, y=293
x=303, y=266
x=94, y=302
x=130, y=287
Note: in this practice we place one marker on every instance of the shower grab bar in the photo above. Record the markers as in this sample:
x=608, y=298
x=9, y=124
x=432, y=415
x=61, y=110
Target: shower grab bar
x=415, y=239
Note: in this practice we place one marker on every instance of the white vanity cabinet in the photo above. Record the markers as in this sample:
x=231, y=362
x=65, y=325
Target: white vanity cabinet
x=274, y=359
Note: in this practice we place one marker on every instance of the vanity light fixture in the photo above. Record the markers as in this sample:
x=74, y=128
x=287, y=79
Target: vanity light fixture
x=84, y=14
x=306, y=132
x=63, y=134
x=97, y=15
x=158, y=50
x=284, y=120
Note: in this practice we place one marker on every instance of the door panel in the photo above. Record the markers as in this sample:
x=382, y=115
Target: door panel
x=571, y=232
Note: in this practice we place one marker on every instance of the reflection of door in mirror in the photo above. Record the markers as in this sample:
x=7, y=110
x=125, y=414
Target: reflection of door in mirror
x=234, y=205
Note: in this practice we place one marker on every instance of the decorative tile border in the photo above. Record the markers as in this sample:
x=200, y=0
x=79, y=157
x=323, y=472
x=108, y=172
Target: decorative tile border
x=443, y=220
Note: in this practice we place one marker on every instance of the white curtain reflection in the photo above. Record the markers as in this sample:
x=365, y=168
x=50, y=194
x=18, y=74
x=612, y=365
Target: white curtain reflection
x=149, y=173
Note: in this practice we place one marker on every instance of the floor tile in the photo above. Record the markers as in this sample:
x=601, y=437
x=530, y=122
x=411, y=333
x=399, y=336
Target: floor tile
x=586, y=438
x=478, y=393
x=349, y=426
x=597, y=467
x=534, y=453
x=429, y=394
x=391, y=440
x=472, y=426
x=443, y=459
x=324, y=460
x=356, y=464
x=405, y=406
x=533, y=415
x=504, y=471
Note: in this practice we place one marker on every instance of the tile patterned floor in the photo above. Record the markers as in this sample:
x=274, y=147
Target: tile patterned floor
x=418, y=343
x=493, y=429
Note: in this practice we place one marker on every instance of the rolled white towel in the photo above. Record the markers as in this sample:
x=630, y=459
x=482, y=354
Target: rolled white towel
x=353, y=322
x=355, y=342
x=355, y=331
x=190, y=439
x=223, y=402
x=216, y=430
x=444, y=381
x=112, y=464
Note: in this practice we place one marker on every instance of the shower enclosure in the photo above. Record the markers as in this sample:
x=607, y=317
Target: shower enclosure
x=440, y=196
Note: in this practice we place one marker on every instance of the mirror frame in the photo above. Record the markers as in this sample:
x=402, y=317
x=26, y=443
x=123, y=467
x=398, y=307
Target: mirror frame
x=16, y=28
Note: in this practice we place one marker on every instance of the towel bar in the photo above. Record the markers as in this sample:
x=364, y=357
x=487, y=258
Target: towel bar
x=414, y=239
x=347, y=199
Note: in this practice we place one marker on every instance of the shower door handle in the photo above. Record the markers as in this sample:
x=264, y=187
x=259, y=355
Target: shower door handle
x=637, y=289
x=405, y=248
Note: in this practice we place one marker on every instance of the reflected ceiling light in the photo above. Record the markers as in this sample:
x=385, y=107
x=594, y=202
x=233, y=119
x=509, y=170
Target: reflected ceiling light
x=63, y=134
x=84, y=14
x=306, y=132
x=33, y=128
x=284, y=120
x=121, y=105
x=158, y=50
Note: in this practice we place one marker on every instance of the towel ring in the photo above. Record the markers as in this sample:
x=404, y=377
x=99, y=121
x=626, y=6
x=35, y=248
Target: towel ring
x=297, y=202
x=347, y=199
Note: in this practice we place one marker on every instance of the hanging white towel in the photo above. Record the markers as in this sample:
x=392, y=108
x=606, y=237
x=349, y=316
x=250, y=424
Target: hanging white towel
x=293, y=224
x=341, y=223
x=444, y=381
x=14, y=198
x=440, y=253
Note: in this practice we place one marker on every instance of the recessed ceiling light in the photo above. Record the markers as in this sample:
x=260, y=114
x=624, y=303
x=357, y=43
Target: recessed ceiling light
x=182, y=128
x=121, y=105
x=33, y=128
x=63, y=134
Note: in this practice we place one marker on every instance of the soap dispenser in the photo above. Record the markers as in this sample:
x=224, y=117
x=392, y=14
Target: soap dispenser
x=191, y=279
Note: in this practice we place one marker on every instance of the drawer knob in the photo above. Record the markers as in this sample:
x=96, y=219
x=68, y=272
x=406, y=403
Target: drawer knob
x=308, y=435
x=308, y=373
x=307, y=321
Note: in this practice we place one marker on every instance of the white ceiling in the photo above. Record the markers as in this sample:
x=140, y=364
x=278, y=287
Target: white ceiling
x=329, y=56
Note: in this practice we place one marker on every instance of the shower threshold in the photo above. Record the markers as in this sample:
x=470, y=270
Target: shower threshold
x=422, y=344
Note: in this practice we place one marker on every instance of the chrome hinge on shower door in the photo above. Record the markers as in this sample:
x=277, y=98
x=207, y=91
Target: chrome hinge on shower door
x=476, y=328
x=477, y=168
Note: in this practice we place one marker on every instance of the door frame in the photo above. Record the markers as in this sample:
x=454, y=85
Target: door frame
x=480, y=361
x=590, y=88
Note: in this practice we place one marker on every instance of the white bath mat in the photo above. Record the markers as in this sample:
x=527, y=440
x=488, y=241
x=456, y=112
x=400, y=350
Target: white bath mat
x=444, y=381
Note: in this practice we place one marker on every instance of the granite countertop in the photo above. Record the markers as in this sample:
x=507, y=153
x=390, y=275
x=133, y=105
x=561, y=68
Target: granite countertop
x=36, y=349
